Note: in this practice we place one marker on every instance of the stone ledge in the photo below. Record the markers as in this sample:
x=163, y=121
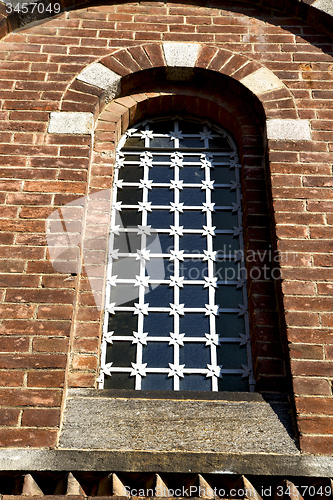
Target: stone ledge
x=182, y=462
x=103, y=420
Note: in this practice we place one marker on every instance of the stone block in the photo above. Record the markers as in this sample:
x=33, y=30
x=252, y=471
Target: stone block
x=183, y=55
x=67, y=122
x=324, y=5
x=288, y=130
x=261, y=81
x=102, y=77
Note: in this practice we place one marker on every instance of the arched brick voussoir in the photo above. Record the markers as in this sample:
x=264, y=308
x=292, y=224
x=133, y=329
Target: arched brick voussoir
x=276, y=98
x=124, y=70
x=100, y=82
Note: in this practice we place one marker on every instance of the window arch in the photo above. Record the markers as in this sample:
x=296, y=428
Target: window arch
x=176, y=301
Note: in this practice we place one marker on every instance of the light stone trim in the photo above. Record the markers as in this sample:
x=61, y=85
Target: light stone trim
x=324, y=6
x=110, y=423
x=288, y=130
x=261, y=81
x=102, y=77
x=68, y=122
x=182, y=55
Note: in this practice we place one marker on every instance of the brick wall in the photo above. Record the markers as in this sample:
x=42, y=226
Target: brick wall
x=48, y=318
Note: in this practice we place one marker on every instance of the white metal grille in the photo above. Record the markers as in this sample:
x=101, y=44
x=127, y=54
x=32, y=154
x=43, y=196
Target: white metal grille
x=176, y=301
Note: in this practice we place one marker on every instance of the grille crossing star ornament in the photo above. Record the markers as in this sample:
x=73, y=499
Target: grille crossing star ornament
x=214, y=371
x=142, y=255
x=146, y=230
x=176, y=370
x=141, y=308
x=177, y=309
x=140, y=338
x=138, y=369
x=212, y=339
x=177, y=338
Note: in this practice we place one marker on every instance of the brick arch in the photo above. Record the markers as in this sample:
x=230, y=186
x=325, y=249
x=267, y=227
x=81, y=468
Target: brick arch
x=246, y=126
x=315, y=12
x=134, y=66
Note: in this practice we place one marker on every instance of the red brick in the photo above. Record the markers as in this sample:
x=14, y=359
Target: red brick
x=50, y=345
x=315, y=425
x=301, y=351
x=40, y=295
x=298, y=288
x=86, y=345
x=16, y=311
x=35, y=438
x=12, y=344
x=53, y=378
x=84, y=362
x=40, y=418
x=81, y=379
x=9, y=417
x=17, y=327
x=32, y=361
x=11, y=378
x=312, y=368
x=30, y=397
x=311, y=386
x=302, y=319
x=321, y=445
x=55, y=312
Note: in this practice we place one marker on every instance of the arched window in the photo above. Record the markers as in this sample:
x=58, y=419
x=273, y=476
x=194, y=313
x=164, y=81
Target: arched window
x=176, y=302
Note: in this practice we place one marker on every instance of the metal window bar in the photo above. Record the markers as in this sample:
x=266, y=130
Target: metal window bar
x=179, y=155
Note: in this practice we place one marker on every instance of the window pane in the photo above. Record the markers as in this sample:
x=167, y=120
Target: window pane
x=156, y=381
x=131, y=173
x=161, y=296
x=124, y=294
x=192, y=220
x=127, y=242
x=229, y=296
x=231, y=356
x=160, y=196
x=194, y=355
x=158, y=324
x=129, y=195
x=229, y=324
x=161, y=174
x=121, y=353
x=160, y=219
x=193, y=269
x=194, y=324
x=123, y=323
x=119, y=381
x=193, y=243
x=193, y=296
x=192, y=174
x=192, y=196
x=195, y=383
x=126, y=268
x=157, y=354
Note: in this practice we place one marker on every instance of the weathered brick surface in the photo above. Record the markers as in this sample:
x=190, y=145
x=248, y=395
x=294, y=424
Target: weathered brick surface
x=40, y=172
